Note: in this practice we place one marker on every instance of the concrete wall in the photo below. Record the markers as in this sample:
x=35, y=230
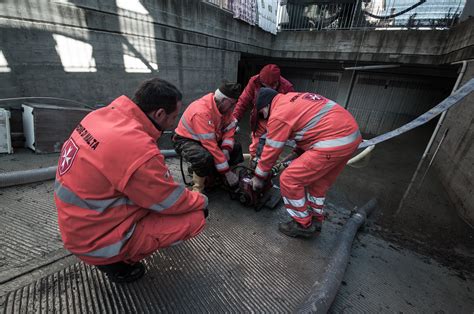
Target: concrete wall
x=193, y=44
x=468, y=11
x=190, y=43
x=417, y=47
x=460, y=43
x=454, y=161
x=430, y=47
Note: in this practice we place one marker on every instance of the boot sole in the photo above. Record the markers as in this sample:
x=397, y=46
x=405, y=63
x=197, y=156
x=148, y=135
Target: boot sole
x=139, y=273
x=299, y=235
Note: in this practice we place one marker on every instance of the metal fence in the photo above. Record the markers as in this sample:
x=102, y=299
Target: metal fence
x=223, y=4
x=354, y=14
x=377, y=14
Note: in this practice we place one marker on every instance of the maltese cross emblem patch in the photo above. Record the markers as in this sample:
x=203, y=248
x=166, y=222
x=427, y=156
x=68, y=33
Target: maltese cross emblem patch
x=68, y=153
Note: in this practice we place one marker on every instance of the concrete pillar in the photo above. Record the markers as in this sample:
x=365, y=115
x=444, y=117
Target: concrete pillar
x=468, y=11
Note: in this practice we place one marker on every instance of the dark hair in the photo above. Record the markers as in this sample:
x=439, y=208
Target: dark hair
x=155, y=93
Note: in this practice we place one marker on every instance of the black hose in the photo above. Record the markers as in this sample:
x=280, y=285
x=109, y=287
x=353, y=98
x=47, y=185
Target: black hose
x=182, y=171
x=168, y=153
x=324, y=291
x=395, y=14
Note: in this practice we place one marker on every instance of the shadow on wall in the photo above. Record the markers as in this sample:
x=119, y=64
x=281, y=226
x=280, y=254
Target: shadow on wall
x=93, y=51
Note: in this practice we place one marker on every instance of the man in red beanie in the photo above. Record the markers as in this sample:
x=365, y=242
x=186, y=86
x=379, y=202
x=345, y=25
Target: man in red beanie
x=269, y=77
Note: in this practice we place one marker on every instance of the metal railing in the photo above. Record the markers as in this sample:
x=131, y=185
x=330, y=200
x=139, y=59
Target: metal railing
x=376, y=14
x=223, y=4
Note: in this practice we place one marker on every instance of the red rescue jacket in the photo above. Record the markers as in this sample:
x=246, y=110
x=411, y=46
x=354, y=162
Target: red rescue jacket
x=110, y=175
x=203, y=122
x=312, y=121
x=249, y=97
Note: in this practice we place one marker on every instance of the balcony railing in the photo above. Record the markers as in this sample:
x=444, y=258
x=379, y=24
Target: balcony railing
x=223, y=4
x=376, y=14
x=357, y=14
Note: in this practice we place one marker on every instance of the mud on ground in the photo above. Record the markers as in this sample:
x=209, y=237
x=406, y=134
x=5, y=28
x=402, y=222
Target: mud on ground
x=428, y=221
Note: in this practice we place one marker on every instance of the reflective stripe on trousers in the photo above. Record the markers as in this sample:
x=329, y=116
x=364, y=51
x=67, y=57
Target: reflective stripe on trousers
x=112, y=249
x=315, y=200
x=316, y=210
x=316, y=204
x=341, y=141
x=295, y=203
x=298, y=214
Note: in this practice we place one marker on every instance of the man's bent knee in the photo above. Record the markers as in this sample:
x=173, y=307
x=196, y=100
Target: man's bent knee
x=159, y=231
x=204, y=166
x=197, y=223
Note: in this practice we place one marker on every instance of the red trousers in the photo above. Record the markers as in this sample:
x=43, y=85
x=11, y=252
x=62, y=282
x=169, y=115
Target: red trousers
x=305, y=182
x=157, y=231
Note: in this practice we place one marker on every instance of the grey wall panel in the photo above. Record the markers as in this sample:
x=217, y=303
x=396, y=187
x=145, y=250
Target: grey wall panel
x=382, y=102
x=325, y=83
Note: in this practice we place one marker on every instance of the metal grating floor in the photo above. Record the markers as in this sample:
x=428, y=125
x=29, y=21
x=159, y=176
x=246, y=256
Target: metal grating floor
x=239, y=264
x=29, y=234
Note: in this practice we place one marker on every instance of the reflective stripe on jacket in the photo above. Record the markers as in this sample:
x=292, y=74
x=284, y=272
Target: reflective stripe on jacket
x=249, y=97
x=203, y=122
x=110, y=175
x=312, y=121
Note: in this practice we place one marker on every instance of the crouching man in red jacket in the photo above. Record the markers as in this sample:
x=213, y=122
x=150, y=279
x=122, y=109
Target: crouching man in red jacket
x=116, y=199
x=326, y=135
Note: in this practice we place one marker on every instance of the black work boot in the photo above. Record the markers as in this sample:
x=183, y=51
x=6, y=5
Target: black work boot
x=317, y=224
x=122, y=272
x=294, y=229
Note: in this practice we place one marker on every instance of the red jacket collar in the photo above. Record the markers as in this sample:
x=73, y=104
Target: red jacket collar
x=212, y=101
x=127, y=107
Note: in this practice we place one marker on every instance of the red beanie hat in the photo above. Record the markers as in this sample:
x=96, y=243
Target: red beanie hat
x=270, y=74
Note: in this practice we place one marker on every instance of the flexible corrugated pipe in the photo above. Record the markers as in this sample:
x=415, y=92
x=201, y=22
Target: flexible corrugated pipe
x=324, y=291
x=35, y=175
